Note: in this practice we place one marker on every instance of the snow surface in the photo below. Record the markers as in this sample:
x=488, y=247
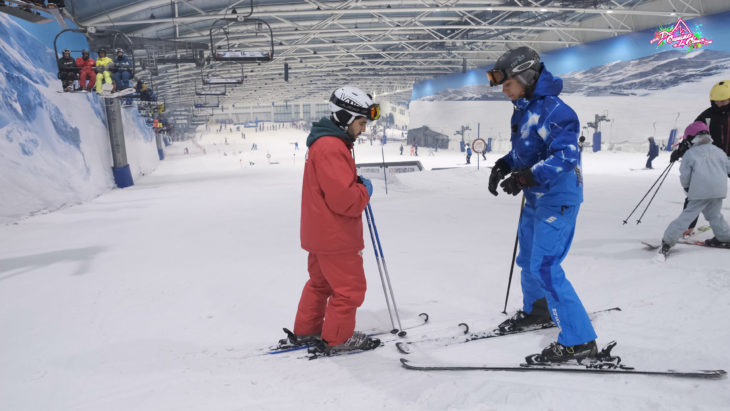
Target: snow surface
x=160, y=296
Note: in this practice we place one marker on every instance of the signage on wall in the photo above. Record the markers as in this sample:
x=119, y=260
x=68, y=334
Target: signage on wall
x=680, y=36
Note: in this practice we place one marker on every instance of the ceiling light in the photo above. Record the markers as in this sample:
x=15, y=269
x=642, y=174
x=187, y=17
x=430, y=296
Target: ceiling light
x=672, y=14
x=609, y=11
x=543, y=10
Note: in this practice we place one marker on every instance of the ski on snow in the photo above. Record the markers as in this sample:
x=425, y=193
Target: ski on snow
x=284, y=346
x=687, y=239
x=707, y=374
x=604, y=363
x=651, y=246
x=405, y=347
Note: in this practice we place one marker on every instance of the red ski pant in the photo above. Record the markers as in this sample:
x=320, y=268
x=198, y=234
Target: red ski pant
x=88, y=74
x=336, y=288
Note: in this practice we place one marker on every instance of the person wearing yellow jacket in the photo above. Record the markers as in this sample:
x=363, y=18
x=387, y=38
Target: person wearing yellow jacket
x=103, y=64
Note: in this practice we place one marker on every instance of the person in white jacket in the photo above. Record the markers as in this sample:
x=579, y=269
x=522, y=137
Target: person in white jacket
x=703, y=174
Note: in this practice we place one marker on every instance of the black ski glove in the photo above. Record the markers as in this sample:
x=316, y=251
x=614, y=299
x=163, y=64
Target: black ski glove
x=500, y=169
x=517, y=181
x=679, y=152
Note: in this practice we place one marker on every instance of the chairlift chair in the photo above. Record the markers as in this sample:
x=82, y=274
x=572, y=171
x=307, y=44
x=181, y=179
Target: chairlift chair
x=24, y=10
x=112, y=40
x=215, y=77
x=206, y=104
x=227, y=50
x=210, y=91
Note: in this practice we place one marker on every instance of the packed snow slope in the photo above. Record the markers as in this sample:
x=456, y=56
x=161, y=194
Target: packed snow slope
x=161, y=296
x=54, y=147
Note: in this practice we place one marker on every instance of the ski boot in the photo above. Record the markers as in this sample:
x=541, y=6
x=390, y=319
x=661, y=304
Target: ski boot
x=538, y=318
x=714, y=242
x=358, y=342
x=665, y=248
x=557, y=352
x=292, y=340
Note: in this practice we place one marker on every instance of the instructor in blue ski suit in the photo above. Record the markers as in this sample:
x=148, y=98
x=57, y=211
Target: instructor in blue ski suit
x=544, y=163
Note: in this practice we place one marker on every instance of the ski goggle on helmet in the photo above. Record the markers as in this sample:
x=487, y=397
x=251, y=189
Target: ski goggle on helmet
x=522, y=63
x=355, y=102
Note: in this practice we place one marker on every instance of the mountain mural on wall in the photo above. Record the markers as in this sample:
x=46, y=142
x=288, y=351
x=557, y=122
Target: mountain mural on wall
x=54, y=147
x=623, y=78
x=27, y=74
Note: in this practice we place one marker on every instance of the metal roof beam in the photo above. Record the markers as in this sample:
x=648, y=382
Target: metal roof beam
x=286, y=11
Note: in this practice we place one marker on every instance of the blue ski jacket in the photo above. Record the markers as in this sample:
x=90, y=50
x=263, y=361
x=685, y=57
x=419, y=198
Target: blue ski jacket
x=122, y=63
x=545, y=139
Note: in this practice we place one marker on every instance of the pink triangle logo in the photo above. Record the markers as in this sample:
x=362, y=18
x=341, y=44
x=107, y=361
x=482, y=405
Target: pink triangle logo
x=679, y=36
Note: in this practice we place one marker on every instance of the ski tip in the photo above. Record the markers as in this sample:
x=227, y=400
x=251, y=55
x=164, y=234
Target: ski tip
x=424, y=316
x=404, y=361
x=464, y=327
x=402, y=348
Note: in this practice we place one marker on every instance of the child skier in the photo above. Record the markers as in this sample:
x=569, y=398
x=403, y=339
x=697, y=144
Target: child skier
x=703, y=175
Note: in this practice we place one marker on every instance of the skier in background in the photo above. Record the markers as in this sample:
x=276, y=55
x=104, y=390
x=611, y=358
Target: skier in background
x=333, y=199
x=122, y=71
x=717, y=117
x=87, y=78
x=702, y=174
x=652, y=154
x=67, y=70
x=545, y=165
x=468, y=154
x=103, y=65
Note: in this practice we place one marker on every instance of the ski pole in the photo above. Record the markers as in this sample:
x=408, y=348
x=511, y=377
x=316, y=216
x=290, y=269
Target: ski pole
x=654, y=195
x=666, y=170
x=402, y=332
x=380, y=270
x=514, y=255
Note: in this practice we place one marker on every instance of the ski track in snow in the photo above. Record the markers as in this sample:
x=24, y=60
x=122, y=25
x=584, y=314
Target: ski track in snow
x=158, y=296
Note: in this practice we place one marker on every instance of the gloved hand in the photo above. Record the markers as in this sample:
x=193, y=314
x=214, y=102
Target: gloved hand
x=500, y=169
x=517, y=181
x=679, y=152
x=366, y=182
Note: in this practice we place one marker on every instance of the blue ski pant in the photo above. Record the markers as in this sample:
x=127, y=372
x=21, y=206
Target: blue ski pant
x=121, y=79
x=545, y=234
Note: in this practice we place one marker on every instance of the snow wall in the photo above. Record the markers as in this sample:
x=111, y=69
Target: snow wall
x=644, y=89
x=54, y=146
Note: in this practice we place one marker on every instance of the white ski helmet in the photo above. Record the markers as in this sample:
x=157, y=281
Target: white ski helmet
x=347, y=103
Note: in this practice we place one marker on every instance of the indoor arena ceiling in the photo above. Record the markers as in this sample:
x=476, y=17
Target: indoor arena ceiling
x=382, y=46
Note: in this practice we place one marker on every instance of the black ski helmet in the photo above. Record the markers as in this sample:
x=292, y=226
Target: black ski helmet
x=522, y=64
x=101, y=50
